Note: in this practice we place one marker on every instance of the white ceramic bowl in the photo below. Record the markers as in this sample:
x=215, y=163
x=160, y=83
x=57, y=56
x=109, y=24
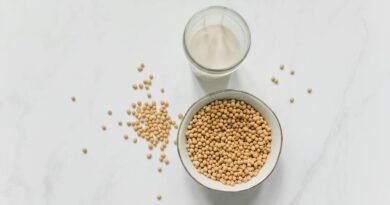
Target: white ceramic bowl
x=276, y=144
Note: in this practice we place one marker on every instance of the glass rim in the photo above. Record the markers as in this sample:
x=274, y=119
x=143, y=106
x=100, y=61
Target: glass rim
x=212, y=70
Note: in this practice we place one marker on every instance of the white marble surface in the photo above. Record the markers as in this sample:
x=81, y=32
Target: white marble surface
x=335, y=140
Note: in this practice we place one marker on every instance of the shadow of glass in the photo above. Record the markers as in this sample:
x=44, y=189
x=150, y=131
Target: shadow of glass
x=213, y=84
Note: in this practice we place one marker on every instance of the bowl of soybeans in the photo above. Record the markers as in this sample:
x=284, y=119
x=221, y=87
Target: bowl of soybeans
x=229, y=141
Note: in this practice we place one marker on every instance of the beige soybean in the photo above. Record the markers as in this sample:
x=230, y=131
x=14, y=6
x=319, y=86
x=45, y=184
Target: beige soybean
x=84, y=150
x=274, y=80
x=141, y=67
x=150, y=146
x=180, y=116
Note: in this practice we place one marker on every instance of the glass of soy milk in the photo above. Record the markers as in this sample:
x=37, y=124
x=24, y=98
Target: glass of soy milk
x=216, y=40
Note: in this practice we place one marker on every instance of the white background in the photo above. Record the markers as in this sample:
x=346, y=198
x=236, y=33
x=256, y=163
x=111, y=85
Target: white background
x=336, y=141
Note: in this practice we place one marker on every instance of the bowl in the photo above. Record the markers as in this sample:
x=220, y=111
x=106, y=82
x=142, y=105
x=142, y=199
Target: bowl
x=276, y=143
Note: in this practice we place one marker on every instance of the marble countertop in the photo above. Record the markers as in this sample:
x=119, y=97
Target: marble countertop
x=335, y=142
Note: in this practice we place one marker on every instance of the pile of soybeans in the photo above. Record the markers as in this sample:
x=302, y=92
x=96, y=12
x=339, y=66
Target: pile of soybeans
x=228, y=140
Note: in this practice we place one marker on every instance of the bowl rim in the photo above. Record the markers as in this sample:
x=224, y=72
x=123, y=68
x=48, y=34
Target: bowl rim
x=214, y=93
